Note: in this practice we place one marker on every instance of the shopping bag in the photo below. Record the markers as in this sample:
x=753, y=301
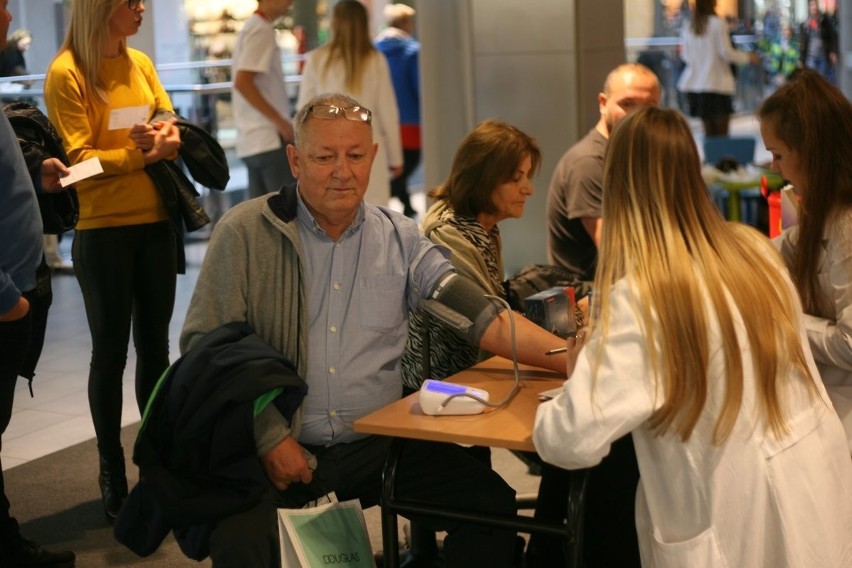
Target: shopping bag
x=328, y=534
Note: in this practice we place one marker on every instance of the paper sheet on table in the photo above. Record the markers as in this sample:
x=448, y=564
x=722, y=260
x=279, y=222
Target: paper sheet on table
x=83, y=170
x=126, y=117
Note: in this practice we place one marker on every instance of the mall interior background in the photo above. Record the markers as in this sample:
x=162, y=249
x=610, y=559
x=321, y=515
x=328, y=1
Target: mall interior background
x=537, y=64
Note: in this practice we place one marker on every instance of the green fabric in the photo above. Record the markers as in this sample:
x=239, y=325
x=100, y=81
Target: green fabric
x=263, y=401
x=153, y=397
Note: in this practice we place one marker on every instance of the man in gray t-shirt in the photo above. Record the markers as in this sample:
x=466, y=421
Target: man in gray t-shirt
x=574, y=195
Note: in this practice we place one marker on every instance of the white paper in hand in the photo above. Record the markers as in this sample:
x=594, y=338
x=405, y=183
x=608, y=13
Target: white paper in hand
x=126, y=117
x=83, y=170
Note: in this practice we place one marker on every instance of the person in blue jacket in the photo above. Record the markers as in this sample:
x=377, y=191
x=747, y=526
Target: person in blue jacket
x=403, y=54
x=24, y=300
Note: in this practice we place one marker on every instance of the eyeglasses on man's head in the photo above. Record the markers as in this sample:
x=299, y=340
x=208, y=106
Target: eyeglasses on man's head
x=356, y=113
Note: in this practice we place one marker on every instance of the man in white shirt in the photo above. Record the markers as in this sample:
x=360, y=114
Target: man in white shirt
x=260, y=103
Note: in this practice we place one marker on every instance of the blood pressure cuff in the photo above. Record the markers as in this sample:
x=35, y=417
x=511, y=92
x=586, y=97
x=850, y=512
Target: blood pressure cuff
x=461, y=304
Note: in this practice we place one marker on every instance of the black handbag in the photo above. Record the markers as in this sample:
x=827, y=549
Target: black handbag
x=534, y=278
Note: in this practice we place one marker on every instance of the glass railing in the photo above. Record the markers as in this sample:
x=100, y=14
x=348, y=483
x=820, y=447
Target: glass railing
x=201, y=90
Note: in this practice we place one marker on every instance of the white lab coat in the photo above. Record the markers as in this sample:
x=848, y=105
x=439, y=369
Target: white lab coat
x=753, y=502
x=830, y=329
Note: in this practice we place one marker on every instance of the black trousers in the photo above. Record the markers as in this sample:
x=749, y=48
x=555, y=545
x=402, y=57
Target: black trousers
x=126, y=274
x=609, y=525
x=20, y=347
x=428, y=471
x=399, y=185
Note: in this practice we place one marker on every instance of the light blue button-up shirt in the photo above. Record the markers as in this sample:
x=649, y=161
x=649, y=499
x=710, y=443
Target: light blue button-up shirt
x=359, y=291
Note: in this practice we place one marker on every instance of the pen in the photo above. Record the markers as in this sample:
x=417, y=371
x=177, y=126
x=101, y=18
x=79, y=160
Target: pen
x=573, y=334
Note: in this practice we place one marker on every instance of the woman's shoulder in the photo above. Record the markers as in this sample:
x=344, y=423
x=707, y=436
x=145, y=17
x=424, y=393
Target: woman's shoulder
x=377, y=63
x=140, y=58
x=716, y=24
x=317, y=55
x=838, y=232
x=63, y=60
x=62, y=71
x=436, y=217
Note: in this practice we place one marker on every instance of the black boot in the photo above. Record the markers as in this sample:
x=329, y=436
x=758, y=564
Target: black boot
x=21, y=552
x=113, y=484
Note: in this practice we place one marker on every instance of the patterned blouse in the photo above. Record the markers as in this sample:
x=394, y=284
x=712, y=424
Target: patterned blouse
x=449, y=353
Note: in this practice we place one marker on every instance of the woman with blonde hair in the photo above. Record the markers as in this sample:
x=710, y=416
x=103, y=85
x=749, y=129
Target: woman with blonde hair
x=700, y=352
x=100, y=94
x=807, y=126
x=12, y=60
x=350, y=64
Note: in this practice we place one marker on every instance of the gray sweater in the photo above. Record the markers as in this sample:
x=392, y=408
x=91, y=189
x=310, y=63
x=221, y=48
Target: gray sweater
x=252, y=273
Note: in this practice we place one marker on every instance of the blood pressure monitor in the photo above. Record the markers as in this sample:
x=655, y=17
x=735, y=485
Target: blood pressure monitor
x=434, y=395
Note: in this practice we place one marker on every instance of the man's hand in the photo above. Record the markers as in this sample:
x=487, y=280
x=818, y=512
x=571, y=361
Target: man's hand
x=18, y=311
x=51, y=170
x=286, y=463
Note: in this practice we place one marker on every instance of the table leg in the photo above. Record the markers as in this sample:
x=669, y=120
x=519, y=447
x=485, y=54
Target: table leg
x=571, y=531
x=390, y=530
x=576, y=512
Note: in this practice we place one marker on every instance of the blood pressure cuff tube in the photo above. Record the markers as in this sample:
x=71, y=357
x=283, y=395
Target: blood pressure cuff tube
x=461, y=304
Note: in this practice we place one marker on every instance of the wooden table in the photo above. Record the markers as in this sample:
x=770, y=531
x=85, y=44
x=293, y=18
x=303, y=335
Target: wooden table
x=508, y=427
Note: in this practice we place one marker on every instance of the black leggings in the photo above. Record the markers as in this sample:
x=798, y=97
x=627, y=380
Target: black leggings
x=125, y=273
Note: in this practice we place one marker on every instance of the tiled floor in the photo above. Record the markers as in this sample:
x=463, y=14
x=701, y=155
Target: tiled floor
x=58, y=415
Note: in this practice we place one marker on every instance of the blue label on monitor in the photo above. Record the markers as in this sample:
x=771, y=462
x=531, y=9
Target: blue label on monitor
x=445, y=388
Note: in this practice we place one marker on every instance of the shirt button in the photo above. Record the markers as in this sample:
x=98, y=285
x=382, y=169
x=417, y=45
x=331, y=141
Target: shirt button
x=332, y=413
x=336, y=286
x=333, y=329
x=331, y=370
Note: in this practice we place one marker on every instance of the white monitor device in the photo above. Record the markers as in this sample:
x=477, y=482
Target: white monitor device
x=434, y=394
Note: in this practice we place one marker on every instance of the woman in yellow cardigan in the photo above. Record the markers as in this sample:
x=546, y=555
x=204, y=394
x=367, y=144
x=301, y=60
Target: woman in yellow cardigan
x=99, y=95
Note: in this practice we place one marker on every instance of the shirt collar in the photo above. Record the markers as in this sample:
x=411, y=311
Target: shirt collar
x=309, y=222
